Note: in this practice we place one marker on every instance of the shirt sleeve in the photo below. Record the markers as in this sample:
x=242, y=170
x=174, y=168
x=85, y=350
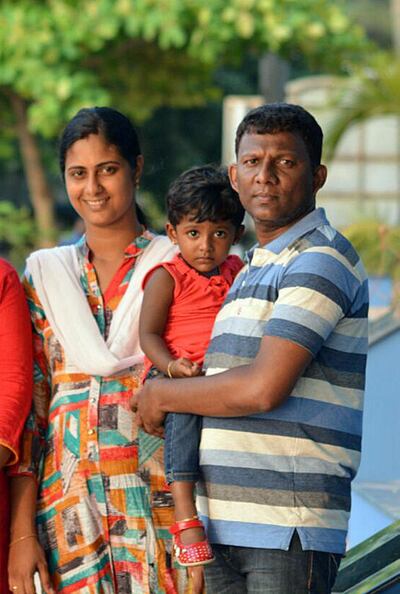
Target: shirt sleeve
x=315, y=292
x=236, y=264
x=16, y=368
x=34, y=433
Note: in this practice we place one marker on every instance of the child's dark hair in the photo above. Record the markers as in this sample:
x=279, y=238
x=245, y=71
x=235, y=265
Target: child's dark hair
x=206, y=194
x=284, y=117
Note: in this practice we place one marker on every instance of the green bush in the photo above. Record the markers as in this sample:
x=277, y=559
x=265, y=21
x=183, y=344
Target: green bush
x=18, y=233
x=378, y=245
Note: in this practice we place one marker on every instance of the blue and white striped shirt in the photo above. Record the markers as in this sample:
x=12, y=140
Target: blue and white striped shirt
x=266, y=475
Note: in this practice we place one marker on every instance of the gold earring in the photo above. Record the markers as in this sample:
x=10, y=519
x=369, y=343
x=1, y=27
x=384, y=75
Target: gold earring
x=137, y=185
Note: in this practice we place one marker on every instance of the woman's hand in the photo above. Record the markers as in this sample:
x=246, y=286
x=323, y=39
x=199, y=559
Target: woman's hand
x=26, y=557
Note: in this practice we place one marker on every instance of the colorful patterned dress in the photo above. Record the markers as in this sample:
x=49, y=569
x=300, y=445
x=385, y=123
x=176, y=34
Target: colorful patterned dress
x=103, y=506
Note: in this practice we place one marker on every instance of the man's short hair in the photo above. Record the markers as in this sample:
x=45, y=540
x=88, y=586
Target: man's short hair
x=284, y=117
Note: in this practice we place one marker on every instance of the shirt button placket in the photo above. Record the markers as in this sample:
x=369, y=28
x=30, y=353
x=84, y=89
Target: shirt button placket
x=93, y=419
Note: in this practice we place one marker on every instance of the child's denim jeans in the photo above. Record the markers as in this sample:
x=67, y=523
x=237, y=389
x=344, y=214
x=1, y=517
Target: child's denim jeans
x=181, y=448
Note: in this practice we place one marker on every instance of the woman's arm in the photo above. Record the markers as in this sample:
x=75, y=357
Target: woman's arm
x=23, y=491
x=34, y=431
x=26, y=556
x=16, y=366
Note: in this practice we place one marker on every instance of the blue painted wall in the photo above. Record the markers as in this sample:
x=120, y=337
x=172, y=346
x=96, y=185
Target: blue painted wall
x=380, y=459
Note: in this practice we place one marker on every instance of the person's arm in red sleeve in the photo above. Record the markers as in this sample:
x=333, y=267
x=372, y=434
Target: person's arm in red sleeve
x=26, y=555
x=16, y=365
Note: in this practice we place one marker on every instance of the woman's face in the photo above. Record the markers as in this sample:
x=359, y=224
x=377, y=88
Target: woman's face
x=101, y=184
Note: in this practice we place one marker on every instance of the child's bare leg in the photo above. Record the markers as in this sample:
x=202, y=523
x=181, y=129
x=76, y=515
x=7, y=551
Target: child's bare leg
x=182, y=494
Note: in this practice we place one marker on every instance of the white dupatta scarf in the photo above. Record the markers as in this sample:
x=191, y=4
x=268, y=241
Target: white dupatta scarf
x=56, y=272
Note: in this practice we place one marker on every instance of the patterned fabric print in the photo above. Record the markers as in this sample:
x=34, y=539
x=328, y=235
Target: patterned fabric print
x=103, y=515
x=269, y=473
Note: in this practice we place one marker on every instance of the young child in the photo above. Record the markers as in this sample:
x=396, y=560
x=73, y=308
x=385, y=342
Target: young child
x=181, y=300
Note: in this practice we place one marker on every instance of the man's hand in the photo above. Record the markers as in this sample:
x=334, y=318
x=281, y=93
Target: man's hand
x=149, y=415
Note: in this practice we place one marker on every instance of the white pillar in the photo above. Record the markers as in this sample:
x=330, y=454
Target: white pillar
x=235, y=107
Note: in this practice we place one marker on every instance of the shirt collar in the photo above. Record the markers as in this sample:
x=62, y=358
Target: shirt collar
x=311, y=221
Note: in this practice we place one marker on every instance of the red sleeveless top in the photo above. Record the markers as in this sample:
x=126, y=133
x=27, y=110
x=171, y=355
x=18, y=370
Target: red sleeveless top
x=196, y=301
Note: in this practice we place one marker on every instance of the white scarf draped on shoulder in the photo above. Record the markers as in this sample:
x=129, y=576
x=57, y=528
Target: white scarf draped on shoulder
x=56, y=277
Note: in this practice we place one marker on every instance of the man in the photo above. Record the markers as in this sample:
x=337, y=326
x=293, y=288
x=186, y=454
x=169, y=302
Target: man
x=282, y=398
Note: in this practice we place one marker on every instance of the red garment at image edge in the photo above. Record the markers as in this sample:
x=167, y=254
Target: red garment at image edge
x=16, y=376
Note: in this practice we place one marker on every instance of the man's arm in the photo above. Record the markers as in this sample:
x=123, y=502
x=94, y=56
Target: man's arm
x=313, y=296
x=258, y=387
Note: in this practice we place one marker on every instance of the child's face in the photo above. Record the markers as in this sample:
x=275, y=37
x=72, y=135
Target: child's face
x=204, y=246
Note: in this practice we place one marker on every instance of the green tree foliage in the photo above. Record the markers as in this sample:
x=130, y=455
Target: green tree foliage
x=59, y=55
x=17, y=232
x=379, y=247
x=374, y=17
x=371, y=91
x=62, y=54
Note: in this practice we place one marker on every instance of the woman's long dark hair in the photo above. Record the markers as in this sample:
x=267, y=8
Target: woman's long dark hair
x=116, y=129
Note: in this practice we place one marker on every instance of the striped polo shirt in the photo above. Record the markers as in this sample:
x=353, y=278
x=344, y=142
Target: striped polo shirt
x=265, y=475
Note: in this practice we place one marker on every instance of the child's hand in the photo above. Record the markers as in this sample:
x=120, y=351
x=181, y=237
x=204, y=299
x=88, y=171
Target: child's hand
x=183, y=367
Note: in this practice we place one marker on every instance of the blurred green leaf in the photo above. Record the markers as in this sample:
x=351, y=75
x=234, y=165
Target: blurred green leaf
x=18, y=232
x=57, y=53
x=57, y=56
x=378, y=245
x=373, y=90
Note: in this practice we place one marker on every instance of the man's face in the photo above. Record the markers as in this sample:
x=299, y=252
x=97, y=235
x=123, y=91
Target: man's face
x=275, y=181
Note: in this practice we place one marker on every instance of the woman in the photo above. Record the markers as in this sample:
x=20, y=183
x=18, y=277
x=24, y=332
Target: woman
x=15, y=388
x=103, y=508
